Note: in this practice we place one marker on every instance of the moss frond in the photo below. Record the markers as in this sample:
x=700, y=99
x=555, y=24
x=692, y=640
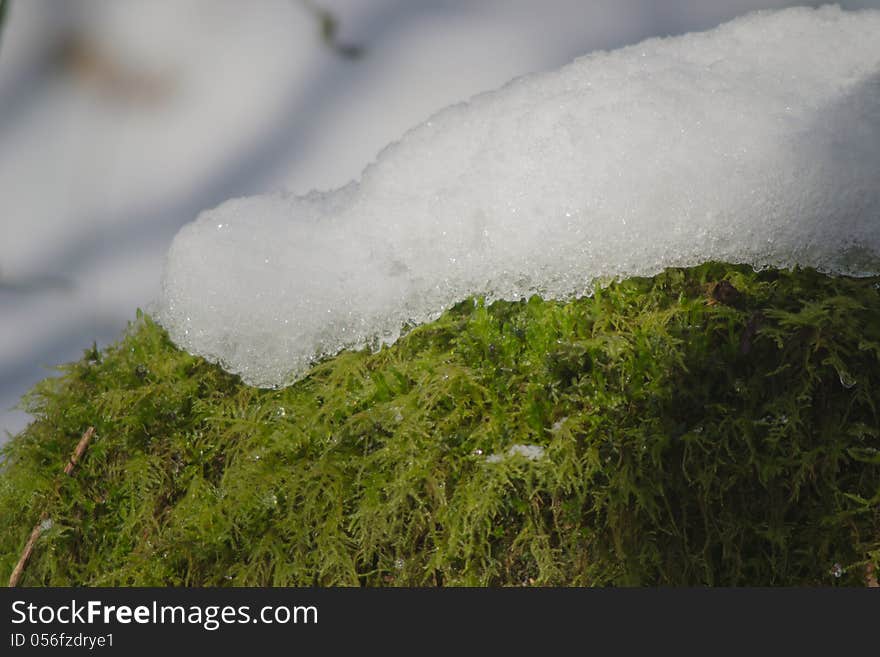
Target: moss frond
x=688, y=438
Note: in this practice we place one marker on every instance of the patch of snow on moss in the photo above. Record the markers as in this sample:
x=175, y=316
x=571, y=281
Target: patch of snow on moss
x=756, y=142
x=528, y=452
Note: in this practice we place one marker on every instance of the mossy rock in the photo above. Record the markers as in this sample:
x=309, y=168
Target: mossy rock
x=708, y=426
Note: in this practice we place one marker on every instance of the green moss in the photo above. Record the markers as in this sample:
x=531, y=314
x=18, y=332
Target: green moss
x=686, y=442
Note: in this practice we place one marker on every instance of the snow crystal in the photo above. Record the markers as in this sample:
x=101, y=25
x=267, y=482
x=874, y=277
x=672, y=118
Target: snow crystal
x=756, y=142
x=529, y=452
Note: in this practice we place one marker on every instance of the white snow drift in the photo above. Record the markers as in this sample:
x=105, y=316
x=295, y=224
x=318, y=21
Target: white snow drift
x=756, y=142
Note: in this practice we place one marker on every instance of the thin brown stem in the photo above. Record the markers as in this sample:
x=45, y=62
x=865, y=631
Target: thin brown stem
x=41, y=523
x=79, y=451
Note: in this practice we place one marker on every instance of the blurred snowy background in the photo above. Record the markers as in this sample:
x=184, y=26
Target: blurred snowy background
x=120, y=120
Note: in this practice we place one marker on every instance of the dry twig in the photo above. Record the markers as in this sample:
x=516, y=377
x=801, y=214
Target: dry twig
x=44, y=517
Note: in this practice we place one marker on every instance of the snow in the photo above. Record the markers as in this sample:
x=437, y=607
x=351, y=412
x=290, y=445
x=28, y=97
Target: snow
x=166, y=108
x=115, y=129
x=528, y=452
x=755, y=142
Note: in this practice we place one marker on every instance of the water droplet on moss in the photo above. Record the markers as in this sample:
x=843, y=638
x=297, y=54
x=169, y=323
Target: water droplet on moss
x=846, y=379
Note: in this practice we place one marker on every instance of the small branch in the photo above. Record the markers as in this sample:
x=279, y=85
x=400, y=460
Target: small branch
x=4, y=13
x=79, y=451
x=329, y=28
x=44, y=517
x=28, y=549
x=871, y=577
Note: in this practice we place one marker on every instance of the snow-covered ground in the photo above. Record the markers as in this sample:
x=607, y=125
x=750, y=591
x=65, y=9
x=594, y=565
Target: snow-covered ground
x=121, y=120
